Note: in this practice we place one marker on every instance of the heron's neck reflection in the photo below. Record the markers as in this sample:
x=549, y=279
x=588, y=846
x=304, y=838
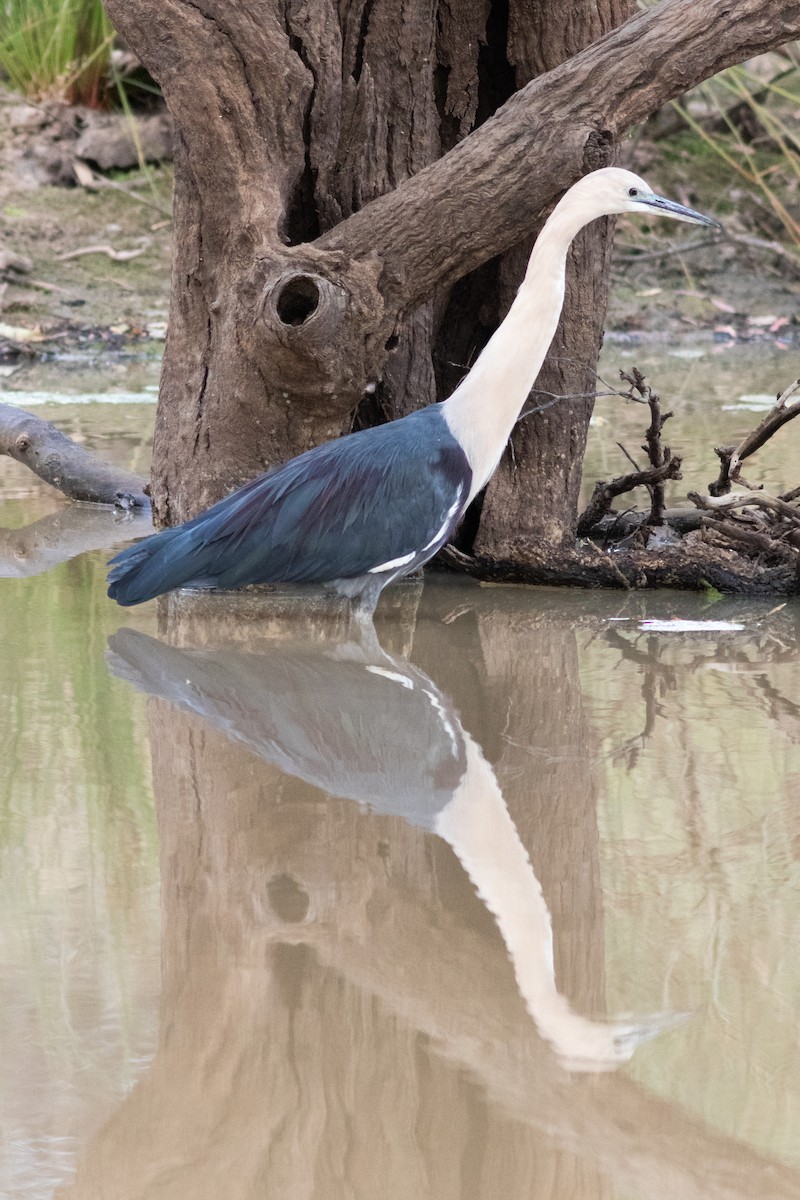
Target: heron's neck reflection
x=361, y=724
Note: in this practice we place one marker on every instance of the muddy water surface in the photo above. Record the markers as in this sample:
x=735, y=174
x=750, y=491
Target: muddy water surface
x=505, y=906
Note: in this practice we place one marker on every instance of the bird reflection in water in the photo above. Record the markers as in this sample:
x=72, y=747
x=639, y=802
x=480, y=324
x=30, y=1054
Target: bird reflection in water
x=363, y=725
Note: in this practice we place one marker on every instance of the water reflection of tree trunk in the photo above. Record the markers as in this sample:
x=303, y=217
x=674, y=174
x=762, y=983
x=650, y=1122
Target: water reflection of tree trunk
x=339, y=1014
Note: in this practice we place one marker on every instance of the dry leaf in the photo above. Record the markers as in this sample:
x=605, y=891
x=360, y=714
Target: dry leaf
x=85, y=175
x=19, y=333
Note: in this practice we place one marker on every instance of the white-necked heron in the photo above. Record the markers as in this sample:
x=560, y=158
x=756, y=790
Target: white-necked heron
x=359, y=512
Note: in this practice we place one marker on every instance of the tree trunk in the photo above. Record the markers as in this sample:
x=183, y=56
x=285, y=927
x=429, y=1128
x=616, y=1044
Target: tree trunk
x=536, y=489
x=320, y=222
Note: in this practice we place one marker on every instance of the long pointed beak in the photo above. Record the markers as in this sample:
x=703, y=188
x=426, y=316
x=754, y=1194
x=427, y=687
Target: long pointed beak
x=669, y=208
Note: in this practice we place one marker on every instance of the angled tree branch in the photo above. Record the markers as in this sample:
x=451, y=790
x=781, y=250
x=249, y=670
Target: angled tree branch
x=59, y=461
x=488, y=192
x=732, y=457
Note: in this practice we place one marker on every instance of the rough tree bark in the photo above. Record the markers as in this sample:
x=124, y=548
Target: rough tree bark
x=535, y=491
x=318, y=230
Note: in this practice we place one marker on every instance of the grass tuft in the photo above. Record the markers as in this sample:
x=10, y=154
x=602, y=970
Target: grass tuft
x=56, y=49
x=749, y=124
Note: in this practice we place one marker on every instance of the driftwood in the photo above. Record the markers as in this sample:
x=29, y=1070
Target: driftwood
x=605, y=492
x=694, y=567
x=740, y=541
x=765, y=527
x=59, y=461
x=663, y=464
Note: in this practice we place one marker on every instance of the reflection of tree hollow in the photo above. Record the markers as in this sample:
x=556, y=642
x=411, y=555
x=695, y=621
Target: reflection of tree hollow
x=337, y=1008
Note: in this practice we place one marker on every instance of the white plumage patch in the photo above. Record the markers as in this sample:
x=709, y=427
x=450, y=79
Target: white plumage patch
x=451, y=512
x=405, y=559
x=392, y=563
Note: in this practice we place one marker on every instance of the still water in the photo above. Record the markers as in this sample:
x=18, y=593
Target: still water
x=506, y=907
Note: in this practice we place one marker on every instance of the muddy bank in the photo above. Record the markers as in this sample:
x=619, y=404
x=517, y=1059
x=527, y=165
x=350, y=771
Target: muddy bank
x=82, y=265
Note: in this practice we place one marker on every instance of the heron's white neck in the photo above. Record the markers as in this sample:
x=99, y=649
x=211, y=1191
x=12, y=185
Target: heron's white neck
x=485, y=406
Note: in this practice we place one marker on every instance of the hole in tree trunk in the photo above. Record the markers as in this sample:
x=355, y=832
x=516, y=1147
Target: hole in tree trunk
x=288, y=900
x=297, y=300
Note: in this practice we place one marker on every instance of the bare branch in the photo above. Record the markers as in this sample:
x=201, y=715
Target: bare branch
x=605, y=493
x=731, y=458
x=563, y=119
x=752, y=541
x=636, y=256
x=739, y=239
x=747, y=499
x=57, y=460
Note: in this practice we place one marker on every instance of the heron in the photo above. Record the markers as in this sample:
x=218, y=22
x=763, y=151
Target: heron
x=359, y=512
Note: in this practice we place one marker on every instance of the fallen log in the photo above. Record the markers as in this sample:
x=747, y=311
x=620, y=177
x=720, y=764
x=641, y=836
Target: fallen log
x=691, y=565
x=63, y=464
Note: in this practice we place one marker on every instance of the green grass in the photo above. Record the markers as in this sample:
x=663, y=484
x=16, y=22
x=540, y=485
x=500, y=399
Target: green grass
x=56, y=49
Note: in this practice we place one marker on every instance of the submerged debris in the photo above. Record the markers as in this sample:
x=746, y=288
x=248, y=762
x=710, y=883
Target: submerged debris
x=750, y=523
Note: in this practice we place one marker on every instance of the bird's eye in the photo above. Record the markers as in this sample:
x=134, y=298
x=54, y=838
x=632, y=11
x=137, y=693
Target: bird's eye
x=633, y=191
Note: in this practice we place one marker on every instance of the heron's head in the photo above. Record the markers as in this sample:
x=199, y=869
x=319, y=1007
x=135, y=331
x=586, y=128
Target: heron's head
x=612, y=190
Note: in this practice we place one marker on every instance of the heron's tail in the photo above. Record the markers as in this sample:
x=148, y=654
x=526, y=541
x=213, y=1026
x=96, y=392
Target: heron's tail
x=159, y=563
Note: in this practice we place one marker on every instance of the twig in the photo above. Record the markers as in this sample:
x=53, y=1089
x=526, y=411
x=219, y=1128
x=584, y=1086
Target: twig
x=731, y=458
x=117, y=255
x=763, y=244
x=604, y=493
x=556, y=399
x=90, y=179
x=629, y=457
x=119, y=283
x=44, y=286
x=658, y=455
x=667, y=251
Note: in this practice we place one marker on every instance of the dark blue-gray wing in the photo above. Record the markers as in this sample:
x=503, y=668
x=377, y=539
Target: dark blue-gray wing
x=338, y=511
